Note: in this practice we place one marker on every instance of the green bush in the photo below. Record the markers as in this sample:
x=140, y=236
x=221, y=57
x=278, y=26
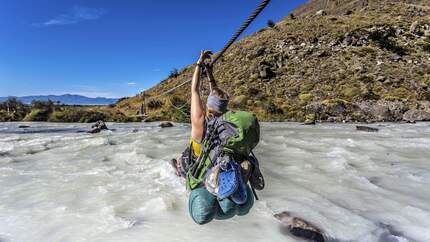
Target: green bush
x=273, y=109
x=351, y=92
x=38, y=115
x=364, y=51
x=174, y=73
x=426, y=47
x=397, y=94
x=239, y=101
x=304, y=88
x=310, y=117
x=384, y=40
x=154, y=103
x=4, y=116
x=71, y=115
x=178, y=101
x=306, y=98
x=271, y=23
x=401, y=92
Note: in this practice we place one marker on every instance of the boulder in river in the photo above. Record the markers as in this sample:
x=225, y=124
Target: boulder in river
x=166, y=125
x=97, y=127
x=100, y=124
x=299, y=227
x=23, y=126
x=366, y=129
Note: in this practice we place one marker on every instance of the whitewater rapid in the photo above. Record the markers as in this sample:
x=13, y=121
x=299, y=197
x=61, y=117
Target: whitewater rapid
x=60, y=184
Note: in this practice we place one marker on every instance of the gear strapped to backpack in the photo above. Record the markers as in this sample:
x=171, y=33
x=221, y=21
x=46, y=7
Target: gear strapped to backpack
x=231, y=137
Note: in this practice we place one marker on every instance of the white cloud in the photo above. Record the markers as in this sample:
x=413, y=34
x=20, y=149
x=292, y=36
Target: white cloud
x=75, y=15
x=131, y=83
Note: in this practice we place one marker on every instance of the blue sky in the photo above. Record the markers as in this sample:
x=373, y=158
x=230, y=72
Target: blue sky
x=113, y=48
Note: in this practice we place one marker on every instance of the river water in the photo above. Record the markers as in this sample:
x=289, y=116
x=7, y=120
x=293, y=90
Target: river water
x=59, y=184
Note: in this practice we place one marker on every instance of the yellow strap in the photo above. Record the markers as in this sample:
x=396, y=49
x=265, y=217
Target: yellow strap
x=197, y=147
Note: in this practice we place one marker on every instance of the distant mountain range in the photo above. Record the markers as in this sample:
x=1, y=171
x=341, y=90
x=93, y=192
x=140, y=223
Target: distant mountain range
x=67, y=99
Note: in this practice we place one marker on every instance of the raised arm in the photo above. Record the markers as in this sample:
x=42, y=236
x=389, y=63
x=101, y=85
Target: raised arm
x=209, y=72
x=197, y=110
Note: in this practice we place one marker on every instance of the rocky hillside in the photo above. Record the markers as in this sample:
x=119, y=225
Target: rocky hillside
x=330, y=60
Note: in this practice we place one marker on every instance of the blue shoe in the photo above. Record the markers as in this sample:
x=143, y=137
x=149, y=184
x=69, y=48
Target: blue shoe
x=240, y=196
x=228, y=181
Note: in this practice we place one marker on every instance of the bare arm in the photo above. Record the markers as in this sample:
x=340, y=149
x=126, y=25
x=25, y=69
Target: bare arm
x=197, y=110
x=209, y=72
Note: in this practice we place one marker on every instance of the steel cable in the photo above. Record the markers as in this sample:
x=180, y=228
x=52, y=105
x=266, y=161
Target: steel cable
x=244, y=26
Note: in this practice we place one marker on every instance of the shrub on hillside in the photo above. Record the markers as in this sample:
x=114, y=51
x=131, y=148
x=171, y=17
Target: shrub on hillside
x=305, y=98
x=154, y=103
x=4, y=116
x=426, y=47
x=273, y=109
x=239, y=101
x=174, y=73
x=270, y=23
x=176, y=101
x=384, y=40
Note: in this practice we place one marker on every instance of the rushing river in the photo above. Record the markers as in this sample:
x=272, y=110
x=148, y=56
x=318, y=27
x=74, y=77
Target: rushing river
x=60, y=184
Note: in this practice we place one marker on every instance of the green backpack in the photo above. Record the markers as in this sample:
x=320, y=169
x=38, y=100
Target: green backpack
x=235, y=133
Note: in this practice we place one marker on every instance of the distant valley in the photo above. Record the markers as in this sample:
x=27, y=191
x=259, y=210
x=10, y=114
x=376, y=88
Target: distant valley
x=67, y=99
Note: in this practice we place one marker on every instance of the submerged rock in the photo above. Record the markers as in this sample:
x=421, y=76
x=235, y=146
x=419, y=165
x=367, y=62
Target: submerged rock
x=23, y=126
x=366, y=129
x=94, y=131
x=309, y=122
x=166, y=125
x=299, y=227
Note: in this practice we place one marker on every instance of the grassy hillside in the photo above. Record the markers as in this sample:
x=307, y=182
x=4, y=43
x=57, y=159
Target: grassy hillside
x=357, y=61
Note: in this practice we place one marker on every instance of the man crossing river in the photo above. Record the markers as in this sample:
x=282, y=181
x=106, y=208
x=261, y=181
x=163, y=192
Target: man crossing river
x=219, y=161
